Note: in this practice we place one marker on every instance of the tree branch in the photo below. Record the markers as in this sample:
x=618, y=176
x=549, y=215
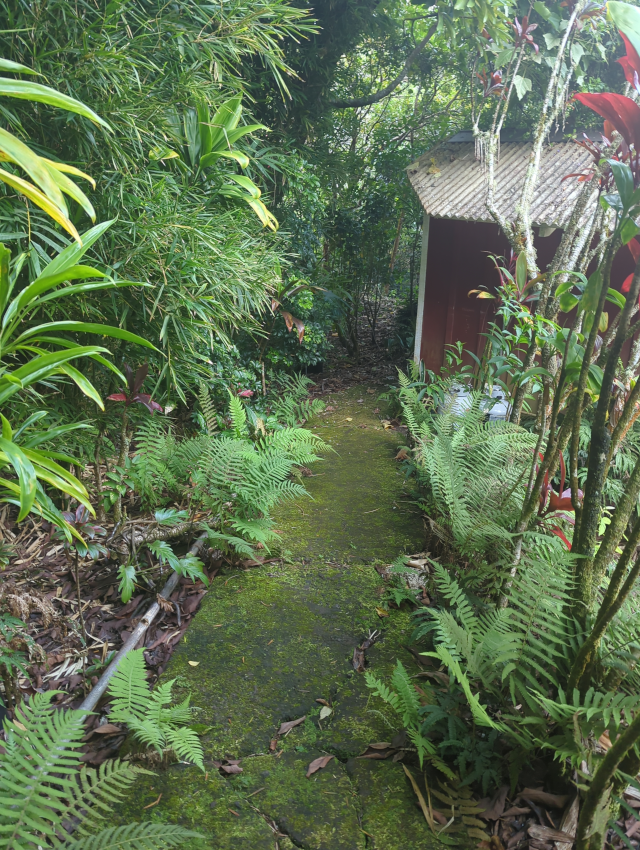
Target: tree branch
x=356, y=102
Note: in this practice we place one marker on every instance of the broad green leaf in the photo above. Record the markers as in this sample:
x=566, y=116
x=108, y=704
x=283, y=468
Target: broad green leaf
x=239, y=132
x=627, y=19
x=19, y=153
x=521, y=271
x=69, y=188
x=266, y=217
x=205, y=130
x=568, y=302
x=616, y=297
x=628, y=230
x=542, y=10
x=603, y=324
x=69, y=169
x=15, y=67
x=522, y=85
x=225, y=120
x=40, y=199
x=41, y=367
x=5, y=284
x=86, y=327
x=624, y=181
x=72, y=253
x=26, y=90
x=212, y=158
x=84, y=384
x=247, y=184
x=25, y=472
x=591, y=294
x=42, y=284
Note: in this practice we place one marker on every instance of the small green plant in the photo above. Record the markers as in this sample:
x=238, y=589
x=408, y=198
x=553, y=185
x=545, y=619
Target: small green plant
x=45, y=789
x=149, y=714
x=16, y=648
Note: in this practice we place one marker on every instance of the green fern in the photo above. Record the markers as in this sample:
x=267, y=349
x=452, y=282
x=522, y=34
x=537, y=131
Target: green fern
x=238, y=416
x=44, y=785
x=136, y=836
x=207, y=409
x=146, y=713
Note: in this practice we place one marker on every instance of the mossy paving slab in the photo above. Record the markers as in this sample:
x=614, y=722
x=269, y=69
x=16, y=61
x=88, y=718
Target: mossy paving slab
x=271, y=641
x=362, y=506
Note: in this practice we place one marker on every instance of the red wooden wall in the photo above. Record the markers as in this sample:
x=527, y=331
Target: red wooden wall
x=457, y=261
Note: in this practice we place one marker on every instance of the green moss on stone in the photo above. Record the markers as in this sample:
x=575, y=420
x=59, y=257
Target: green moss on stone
x=271, y=641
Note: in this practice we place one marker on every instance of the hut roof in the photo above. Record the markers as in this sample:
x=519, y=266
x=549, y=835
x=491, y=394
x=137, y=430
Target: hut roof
x=451, y=182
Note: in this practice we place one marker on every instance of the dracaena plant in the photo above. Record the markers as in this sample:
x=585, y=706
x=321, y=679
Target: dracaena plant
x=50, y=179
x=210, y=139
x=33, y=350
x=132, y=395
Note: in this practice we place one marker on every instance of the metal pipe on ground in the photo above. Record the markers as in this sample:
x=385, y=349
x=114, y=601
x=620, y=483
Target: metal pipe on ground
x=92, y=698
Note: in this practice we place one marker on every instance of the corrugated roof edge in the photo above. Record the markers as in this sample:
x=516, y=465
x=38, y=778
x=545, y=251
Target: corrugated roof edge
x=509, y=135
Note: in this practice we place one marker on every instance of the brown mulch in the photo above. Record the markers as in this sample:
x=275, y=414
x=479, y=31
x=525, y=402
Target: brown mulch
x=38, y=586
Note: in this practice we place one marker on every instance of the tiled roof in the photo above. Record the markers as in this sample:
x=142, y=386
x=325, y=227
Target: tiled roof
x=451, y=182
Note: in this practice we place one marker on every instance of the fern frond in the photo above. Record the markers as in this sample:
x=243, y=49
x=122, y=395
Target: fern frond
x=135, y=836
x=186, y=745
x=207, y=409
x=128, y=689
x=38, y=771
x=238, y=416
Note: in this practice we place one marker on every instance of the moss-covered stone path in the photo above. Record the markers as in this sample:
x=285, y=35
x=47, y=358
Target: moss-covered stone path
x=271, y=641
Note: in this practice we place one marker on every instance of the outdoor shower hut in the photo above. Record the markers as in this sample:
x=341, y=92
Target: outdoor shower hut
x=458, y=234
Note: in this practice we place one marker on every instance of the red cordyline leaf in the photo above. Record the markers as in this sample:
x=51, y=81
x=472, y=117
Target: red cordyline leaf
x=117, y=397
x=634, y=247
x=245, y=394
x=560, y=533
x=149, y=403
x=621, y=111
x=630, y=63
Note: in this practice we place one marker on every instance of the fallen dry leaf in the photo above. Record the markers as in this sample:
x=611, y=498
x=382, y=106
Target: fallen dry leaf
x=193, y=663
x=349, y=419
x=545, y=833
x=273, y=743
x=290, y=724
x=325, y=711
x=108, y=729
x=555, y=801
x=358, y=660
x=323, y=701
x=318, y=764
x=426, y=811
x=231, y=768
x=494, y=807
x=403, y=454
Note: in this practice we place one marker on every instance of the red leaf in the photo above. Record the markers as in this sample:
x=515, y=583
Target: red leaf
x=139, y=379
x=149, y=403
x=559, y=503
x=245, y=394
x=560, y=533
x=634, y=247
x=117, y=397
x=626, y=285
x=630, y=63
x=621, y=111
x=563, y=472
